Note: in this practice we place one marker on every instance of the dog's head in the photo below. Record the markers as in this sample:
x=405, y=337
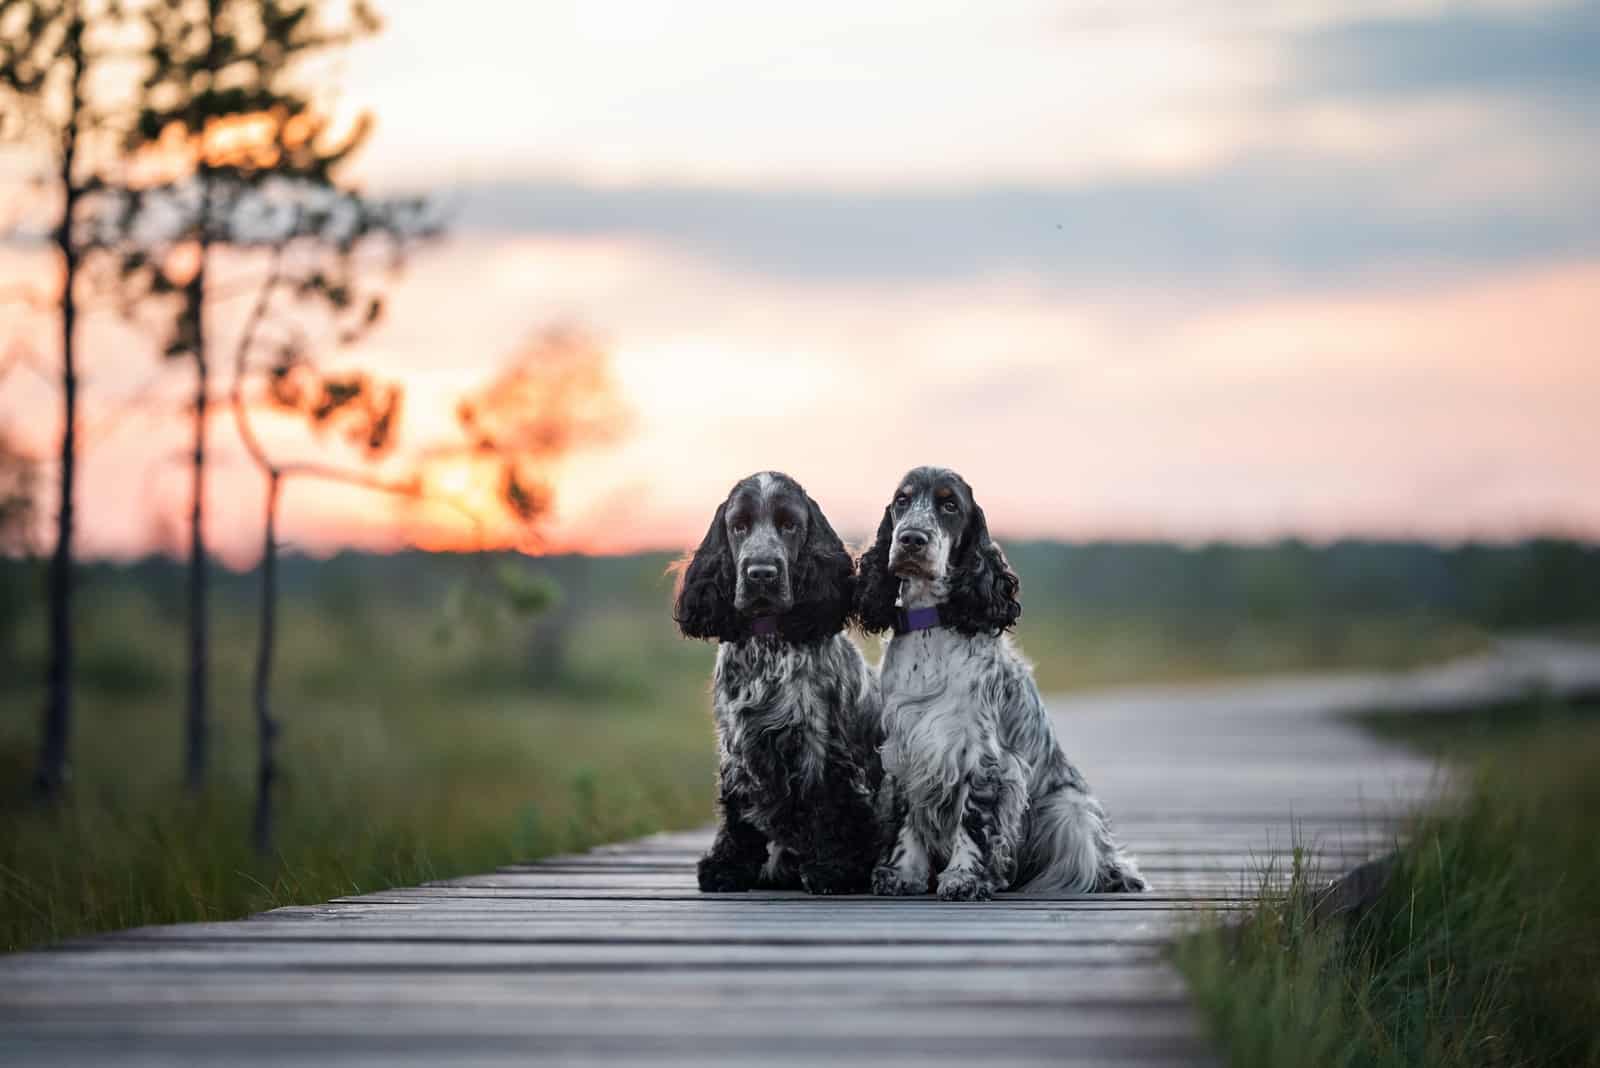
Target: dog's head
x=769, y=552
x=934, y=531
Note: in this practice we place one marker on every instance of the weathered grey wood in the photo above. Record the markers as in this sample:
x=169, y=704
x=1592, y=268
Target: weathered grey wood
x=708, y=986
x=614, y=957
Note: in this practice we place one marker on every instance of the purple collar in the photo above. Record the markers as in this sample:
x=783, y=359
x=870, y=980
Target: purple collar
x=911, y=619
x=765, y=625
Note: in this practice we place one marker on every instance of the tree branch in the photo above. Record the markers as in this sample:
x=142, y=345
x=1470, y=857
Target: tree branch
x=410, y=488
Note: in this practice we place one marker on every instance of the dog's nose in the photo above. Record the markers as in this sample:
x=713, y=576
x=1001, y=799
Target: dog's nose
x=913, y=541
x=761, y=571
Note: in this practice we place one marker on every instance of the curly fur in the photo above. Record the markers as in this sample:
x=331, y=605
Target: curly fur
x=823, y=579
x=976, y=786
x=982, y=596
x=796, y=712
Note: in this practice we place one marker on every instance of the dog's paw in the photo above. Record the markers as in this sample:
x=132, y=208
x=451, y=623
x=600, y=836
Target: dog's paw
x=1123, y=878
x=888, y=882
x=964, y=886
x=719, y=877
x=827, y=880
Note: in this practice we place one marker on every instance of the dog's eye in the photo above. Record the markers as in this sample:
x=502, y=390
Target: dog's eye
x=949, y=507
x=789, y=526
x=740, y=527
x=901, y=500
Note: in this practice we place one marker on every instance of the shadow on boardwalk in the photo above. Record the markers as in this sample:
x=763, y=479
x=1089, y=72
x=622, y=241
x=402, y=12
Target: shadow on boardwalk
x=613, y=957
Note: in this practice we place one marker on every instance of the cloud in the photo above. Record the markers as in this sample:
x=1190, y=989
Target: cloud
x=1294, y=218
x=1348, y=142
x=1542, y=52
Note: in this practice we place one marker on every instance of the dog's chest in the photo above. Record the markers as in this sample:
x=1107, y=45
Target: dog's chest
x=935, y=727
x=774, y=709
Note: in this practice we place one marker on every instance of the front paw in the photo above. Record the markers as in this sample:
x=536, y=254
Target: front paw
x=888, y=882
x=719, y=877
x=964, y=886
x=825, y=879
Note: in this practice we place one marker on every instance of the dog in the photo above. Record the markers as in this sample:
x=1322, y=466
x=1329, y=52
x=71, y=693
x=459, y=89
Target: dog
x=975, y=785
x=796, y=706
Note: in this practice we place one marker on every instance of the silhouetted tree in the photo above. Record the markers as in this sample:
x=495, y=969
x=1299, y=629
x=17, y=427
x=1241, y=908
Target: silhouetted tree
x=232, y=139
x=554, y=396
x=49, y=52
x=316, y=250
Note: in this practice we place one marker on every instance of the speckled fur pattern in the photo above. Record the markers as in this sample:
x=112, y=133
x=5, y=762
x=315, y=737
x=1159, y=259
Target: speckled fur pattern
x=797, y=737
x=797, y=713
x=978, y=796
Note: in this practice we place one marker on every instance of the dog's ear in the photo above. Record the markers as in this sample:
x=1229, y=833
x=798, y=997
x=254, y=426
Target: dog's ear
x=704, y=605
x=824, y=582
x=876, y=588
x=983, y=588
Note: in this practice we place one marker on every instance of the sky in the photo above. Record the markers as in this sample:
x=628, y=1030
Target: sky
x=1139, y=269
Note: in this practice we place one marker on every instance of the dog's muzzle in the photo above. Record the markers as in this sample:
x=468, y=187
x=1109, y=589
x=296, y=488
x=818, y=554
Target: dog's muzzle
x=763, y=584
x=910, y=552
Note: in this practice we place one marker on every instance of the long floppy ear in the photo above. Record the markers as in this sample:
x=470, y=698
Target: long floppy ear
x=983, y=588
x=876, y=588
x=824, y=583
x=704, y=606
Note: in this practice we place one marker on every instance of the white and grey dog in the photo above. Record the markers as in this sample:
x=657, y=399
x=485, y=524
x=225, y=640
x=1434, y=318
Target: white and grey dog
x=795, y=704
x=975, y=785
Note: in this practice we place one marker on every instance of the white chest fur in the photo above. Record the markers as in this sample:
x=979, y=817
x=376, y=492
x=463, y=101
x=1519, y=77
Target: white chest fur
x=936, y=723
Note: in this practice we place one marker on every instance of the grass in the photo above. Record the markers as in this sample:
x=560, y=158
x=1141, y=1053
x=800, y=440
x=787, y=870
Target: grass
x=1484, y=946
x=405, y=758
x=419, y=743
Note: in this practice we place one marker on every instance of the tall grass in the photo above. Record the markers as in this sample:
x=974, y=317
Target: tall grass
x=1482, y=949
x=407, y=755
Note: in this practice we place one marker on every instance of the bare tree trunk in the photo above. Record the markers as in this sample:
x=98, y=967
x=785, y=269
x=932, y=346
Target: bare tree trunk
x=51, y=776
x=195, y=735
x=266, y=726
x=198, y=722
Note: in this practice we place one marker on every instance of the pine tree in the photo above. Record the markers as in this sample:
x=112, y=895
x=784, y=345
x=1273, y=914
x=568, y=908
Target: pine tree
x=50, y=51
x=237, y=147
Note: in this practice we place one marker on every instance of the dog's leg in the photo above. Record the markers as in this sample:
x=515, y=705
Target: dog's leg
x=738, y=853
x=780, y=872
x=841, y=834
x=983, y=856
x=903, y=868
x=1010, y=810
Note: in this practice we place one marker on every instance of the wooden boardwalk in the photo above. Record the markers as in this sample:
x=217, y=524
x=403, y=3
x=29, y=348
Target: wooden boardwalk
x=612, y=957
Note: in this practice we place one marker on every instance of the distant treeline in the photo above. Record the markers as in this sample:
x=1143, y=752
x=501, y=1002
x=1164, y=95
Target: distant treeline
x=1543, y=582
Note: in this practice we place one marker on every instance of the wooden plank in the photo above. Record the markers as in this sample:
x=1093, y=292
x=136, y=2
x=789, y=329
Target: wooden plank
x=437, y=956
x=419, y=1018
x=647, y=937
x=1247, y=844
x=796, y=988
x=731, y=905
x=264, y=1045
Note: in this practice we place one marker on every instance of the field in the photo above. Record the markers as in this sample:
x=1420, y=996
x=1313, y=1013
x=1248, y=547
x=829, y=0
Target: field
x=1482, y=949
x=429, y=731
